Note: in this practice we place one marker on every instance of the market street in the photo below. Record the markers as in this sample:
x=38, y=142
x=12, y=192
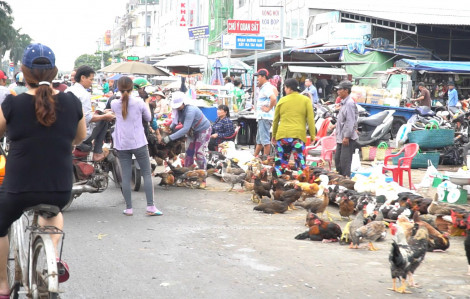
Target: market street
x=211, y=244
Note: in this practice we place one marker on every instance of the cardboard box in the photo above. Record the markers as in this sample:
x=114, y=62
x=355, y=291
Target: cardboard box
x=376, y=96
x=359, y=94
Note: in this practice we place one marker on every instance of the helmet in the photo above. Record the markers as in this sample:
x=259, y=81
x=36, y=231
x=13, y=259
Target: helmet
x=20, y=77
x=140, y=82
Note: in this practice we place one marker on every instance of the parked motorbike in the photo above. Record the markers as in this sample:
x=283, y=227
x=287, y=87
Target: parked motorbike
x=376, y=128
x=93, y=176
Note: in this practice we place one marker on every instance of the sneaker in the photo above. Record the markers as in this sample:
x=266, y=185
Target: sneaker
x=64, y=271
x=128, y=212
x=153, y=211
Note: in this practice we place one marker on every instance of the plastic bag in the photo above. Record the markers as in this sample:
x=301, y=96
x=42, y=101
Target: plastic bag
x=356, y=161
x=429, y=176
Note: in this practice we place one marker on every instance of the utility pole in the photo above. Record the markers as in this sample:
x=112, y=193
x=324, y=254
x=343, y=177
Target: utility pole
x=145, y=41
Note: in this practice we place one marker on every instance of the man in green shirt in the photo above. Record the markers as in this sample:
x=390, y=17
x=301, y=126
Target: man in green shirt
x=105, y=86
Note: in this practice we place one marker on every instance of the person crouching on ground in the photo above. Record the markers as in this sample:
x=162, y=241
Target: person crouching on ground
x=292, y=114
x=129, y=139
x=346, y=129
x=221, y=128
x=195, y=125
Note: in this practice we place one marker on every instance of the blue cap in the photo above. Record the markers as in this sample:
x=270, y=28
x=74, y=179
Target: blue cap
x=35, y=51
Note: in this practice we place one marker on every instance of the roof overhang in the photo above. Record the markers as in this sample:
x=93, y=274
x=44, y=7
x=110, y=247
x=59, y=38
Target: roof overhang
x=379, y=22
x=319, y=63
x=317, y=70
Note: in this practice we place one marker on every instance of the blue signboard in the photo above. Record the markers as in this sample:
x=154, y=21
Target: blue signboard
x=198, y=32
x=12, y=69
x=249, y=42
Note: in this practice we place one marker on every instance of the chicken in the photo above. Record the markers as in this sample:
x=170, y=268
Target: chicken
x=316, y=205
x=406, y=256
x=310, y=190
x=247, y=186
x=462, y=220
x=346, y=206
x=436, y=240
x=167, y=179
x=351, y=227
x=178, y=171
x=320, y=230
x=372, y=231
x=442, y=208
x=259, y=191
x=233, y=170
x=196, y=177
x=233, y=179
x=291, y=195
x=279, y=206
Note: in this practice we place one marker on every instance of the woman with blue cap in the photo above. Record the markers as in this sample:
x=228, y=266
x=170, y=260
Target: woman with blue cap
x=42, y=124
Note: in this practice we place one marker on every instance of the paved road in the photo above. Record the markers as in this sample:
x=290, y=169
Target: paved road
x=211, y=244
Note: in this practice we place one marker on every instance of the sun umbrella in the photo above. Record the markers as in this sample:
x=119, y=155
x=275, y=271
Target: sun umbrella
x=217, y=78
x=185, y=63
x=115, y=77
x=134, y=67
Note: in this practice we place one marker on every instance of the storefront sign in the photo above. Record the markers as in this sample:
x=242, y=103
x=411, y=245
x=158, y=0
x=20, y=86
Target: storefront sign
x=182, y=13
x=270, y=22
x=243, y=26
x=243, y=42
x=107, y=37
x=199, y=32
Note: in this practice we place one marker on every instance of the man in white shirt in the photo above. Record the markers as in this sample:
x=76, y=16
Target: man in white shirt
x=264, y=112
x=229, y=84
x=84, y=79
x=4, y=91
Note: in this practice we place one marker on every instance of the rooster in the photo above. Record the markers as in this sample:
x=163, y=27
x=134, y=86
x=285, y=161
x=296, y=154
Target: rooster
x=259, y=191
x=282, y=205
x=462, y=220
x=167, y=179
x=405, y=257
x=320, y=230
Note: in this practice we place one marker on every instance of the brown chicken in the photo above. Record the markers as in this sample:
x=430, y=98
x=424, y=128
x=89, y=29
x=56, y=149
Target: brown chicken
x=436, y=239
x=346, y=206
x=282, y=205
x=320, y=230
x=196, y=177
x=317, y=205
x=247, y=186
x=372, y=231
x=178, y=171
x=259, y=191
x=233, y=170
x=167, y=179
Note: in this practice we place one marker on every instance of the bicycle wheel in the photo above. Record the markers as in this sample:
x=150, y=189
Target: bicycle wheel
x=13, y=267
x=44, y=277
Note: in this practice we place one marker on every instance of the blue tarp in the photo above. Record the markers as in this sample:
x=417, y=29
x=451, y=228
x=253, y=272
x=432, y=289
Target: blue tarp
x=458, y=67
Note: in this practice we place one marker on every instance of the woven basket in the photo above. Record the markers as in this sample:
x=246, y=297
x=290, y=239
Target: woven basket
x=369, y=153
x=421, y=159
x=432, y=138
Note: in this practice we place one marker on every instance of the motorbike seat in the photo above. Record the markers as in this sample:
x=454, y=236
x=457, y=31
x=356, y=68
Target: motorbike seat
x=79, y=154
x=373, y=120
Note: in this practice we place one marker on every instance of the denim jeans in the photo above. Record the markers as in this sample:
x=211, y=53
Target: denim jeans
x=142, y=156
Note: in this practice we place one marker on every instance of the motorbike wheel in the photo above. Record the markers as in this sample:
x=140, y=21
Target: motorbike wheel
x=136, y=178
x=396, y=125
x=116, y=170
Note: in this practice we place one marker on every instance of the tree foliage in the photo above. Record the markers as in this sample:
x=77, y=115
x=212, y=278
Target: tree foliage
x=93, y=60
x=11, y=38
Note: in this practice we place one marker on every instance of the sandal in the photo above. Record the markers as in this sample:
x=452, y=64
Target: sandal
x=64, y=271
x=153, y=211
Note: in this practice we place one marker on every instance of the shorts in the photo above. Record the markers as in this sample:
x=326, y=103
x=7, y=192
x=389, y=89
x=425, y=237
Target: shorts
x=12, y=205
x=263, y=136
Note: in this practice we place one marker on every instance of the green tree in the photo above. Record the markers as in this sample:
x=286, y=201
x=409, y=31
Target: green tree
x=7, y=32
x=94, y=60
x=19, y=44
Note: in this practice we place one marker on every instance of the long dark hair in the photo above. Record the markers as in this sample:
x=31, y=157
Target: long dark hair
x=43, y=98
x=125, y=86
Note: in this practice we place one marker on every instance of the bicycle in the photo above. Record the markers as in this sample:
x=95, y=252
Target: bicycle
x=32, y=262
